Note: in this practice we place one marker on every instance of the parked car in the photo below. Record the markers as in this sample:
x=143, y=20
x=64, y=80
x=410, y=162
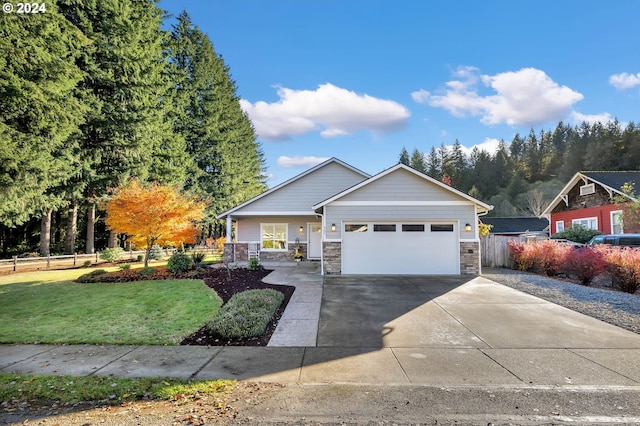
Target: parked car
x=628, y=240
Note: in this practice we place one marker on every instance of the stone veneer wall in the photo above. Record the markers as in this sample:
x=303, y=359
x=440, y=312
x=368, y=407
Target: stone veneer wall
x=469, y=258
x=227, y=252
x=332, y=255
x=286, y=256
x=241, y=252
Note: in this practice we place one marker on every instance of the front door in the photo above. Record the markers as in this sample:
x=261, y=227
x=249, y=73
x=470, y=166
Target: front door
x=315, y=241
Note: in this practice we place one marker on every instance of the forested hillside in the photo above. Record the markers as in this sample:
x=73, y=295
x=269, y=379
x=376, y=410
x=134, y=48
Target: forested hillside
x=96, y=92
x=524, y=174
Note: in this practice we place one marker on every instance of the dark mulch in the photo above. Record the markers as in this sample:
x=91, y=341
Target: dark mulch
x=224, y=282
x=241, y=280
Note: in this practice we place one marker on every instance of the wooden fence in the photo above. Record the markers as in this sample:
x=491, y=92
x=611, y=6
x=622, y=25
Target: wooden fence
x=495, y=251
x=64, y=261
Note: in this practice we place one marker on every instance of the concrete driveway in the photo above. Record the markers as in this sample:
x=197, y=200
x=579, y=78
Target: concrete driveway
x=452, y=312
x=455, y=330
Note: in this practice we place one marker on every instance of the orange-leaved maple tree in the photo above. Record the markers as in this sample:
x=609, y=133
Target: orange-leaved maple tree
x=154, y=214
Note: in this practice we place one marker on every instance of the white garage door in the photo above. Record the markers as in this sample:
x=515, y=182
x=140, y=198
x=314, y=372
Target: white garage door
x=400, y=248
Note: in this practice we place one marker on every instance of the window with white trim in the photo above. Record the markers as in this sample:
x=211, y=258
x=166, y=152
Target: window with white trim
x=616, y=222
x=588, y=222
x=273, y=236
x=559, y=225
x=587, y=189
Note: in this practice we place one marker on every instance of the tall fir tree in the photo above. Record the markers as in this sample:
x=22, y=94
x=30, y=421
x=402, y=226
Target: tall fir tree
x=404, y=157
x=124, y=83
x=219, y=135
x=417, y=161
x=39, y=113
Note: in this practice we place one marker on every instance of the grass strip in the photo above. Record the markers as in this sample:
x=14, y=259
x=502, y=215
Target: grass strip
x=18, y=388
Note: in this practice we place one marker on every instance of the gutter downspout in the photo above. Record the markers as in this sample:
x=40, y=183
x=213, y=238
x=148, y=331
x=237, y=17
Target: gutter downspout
x=322, y=242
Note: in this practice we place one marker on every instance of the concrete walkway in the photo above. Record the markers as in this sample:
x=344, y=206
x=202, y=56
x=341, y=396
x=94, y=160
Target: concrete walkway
x=436, y=331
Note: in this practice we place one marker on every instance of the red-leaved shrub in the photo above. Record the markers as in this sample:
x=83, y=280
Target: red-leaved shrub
x=623, y=264
x=545, y=256
x=586, y=263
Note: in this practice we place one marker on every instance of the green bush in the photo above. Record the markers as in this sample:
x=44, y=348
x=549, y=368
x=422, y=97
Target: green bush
x=254, y=264
x=246, y=314
x=155, y=253
x=111, y=254
x=91, y=277
x=140, y=258
x=179, y=262
x=147, y=271
x=124, y=267
x=198, y=257
x=577, y=234
x=86, y=263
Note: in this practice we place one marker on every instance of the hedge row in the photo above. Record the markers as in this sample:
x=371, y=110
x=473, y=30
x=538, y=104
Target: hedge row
x=246, y=314
x=622, y=264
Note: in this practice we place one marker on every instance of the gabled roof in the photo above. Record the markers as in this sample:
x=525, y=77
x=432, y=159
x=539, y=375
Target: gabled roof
x=610, y=181
x=484, y=207
x=290, y=181
x=516, y=225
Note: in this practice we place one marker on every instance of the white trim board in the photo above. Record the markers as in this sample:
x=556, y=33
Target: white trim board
x=403, y=203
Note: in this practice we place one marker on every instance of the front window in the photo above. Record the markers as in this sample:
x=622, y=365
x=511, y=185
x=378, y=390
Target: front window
x=559, y=225
x=589, y=223
x=274, y=236
x=616, y=222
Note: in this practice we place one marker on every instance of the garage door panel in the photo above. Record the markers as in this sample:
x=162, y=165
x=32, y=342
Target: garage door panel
x=400, y=252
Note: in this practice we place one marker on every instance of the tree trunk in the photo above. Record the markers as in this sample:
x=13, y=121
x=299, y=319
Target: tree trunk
x=72, y=224
x=91, y=222
x=45, y=233
x=113, y=238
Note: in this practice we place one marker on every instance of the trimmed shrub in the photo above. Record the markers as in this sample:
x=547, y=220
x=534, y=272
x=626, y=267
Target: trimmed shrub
x=140, y=258
x=111, y=254
x=623, y=264
x=246, y=314
x=91, y=277
x=124, y=267
x=578, y=234
x=147, y=271
x=585, y=263
x=179, y=262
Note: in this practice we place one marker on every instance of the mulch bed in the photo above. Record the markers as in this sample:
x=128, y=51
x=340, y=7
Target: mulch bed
x=225, y=283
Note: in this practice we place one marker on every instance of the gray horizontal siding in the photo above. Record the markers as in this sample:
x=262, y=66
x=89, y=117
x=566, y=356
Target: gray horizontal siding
x=401, y=185
x=248, y=228
x=307, y=191
x=339, y=214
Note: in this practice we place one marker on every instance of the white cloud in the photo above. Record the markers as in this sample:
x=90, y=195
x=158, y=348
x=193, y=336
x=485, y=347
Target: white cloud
x=578, y=118
x=525, y=97
x=332, y=110
x=489, y=144
x=284, y=161
x=624, y=81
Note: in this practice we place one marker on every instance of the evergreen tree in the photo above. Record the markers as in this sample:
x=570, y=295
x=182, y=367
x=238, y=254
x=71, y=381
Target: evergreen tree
x=417, y=161
x=219, y=135
x=459, y=166
x=404, y=157
x=40, y=112
x=124, y=83
x=433, y=164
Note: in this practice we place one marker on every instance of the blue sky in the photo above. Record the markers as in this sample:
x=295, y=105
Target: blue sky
x=358, y=80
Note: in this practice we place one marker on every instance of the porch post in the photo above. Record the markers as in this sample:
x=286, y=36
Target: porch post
x=229, y=229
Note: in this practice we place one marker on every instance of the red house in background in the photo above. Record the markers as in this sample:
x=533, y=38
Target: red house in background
x=588, y=200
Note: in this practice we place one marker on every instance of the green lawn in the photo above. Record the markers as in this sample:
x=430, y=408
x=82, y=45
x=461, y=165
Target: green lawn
x=45, y=307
